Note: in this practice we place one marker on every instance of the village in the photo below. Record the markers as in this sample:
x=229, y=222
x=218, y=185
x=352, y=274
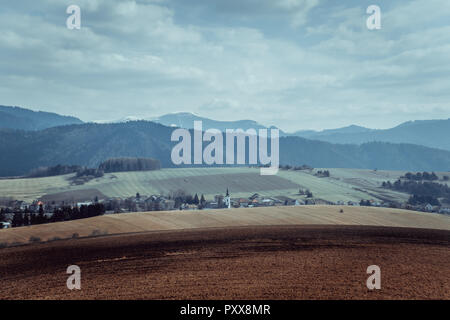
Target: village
x=14, y=213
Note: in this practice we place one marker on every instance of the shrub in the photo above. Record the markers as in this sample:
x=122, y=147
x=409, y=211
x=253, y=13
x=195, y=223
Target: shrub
x=34, y=239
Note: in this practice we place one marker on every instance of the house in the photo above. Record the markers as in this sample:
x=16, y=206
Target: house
x=444, y=210
x=243, y=203
x=158, y=203
x=428, y=208
x=376, y=203
x=211, y=205
x=88, y=203
x=283, y=200
x=254, y=196
x=5, y=225
x=169, y=204
x=267, y=202
x=323, y=202
x=219, y=199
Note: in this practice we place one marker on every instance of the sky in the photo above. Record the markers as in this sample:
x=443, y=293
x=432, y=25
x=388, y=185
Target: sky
x=295, y=64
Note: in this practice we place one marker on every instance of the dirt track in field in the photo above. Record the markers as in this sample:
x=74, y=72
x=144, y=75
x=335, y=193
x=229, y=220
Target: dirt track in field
x=281, y=262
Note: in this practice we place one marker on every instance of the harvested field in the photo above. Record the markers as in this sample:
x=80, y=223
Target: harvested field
x=73, y=196
x=262, y=216
x=343, y=185
x=276, y=262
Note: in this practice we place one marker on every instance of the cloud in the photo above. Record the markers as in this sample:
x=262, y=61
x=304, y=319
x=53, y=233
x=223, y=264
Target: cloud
x=296, y=64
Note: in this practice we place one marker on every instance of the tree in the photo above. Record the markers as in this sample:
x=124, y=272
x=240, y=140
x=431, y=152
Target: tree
x=17, y=220
x=41, y=218
x=26, y=219
x=202, y=200
x=2, y=215
x=196, y=201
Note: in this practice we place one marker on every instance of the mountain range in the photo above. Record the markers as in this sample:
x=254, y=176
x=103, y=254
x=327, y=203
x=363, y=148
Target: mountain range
x=186, y=120
x=429, y=133
x=88, y=144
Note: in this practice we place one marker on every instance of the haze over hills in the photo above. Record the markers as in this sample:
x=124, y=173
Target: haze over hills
x=317, y=134
x=90, y=144
x=186, y=120
x=25, y=119
x=430, y=133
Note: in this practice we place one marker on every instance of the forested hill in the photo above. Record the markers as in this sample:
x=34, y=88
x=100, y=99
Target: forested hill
x=90, y=144
x=24, y=119
x=430, y=133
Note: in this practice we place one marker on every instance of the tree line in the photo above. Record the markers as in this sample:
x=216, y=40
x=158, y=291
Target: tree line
x=421, y=192
x=26, y=218
x=419, y=176
x=129, y=164
x=110, y=165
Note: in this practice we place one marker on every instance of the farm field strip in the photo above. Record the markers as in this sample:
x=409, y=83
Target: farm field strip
x=176, y=220
x=344, y=184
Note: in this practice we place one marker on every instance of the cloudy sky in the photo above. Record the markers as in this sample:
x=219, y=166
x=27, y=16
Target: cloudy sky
x=296, y=64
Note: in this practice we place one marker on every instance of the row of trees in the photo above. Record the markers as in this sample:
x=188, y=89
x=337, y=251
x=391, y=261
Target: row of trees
x=289, y=167
x=180, y=197
x=306, y=193
x=420, y=200
x=419, y=188
x=324, y=173
x=421, y=192
x=26, y=218
x=421, y=176
x=110, y=165
x=129, y=164
x=53, y=171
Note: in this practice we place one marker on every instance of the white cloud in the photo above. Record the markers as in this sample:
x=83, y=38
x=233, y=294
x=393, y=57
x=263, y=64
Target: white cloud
x=293, y=63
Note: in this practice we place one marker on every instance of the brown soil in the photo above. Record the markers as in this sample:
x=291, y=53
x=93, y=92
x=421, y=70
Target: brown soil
x=282, y=262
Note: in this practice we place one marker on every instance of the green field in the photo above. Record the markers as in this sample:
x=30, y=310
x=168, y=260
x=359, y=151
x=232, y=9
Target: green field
x=342, y=185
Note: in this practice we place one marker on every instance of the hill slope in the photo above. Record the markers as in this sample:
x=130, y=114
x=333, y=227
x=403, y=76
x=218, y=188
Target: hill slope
x=24, y=119
x=343, y=185
x=90, y=144
x=186, y=120
x=273, y=216
x=430, y=133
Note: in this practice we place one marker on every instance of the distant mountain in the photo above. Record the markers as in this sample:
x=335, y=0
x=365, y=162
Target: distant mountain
x=90, y=144
x=186, y=120
x=24, y=119
x=430, y=133
x=315, y=134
